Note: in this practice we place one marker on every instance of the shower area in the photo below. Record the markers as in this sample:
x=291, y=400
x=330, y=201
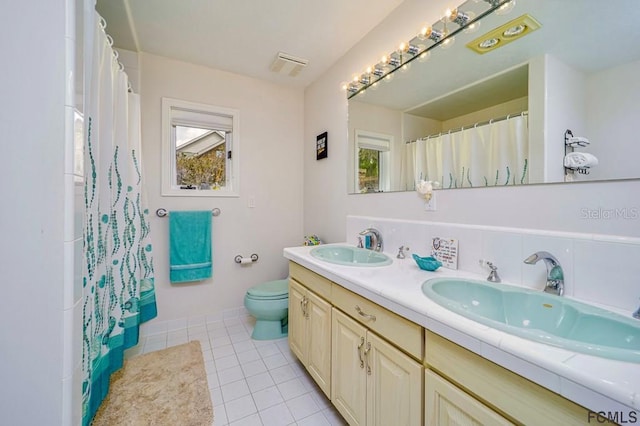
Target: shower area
x=100, y=286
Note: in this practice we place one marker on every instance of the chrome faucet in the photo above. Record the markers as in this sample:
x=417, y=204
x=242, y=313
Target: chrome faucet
x=555, y=276
x=401, y=252
x=493, y=275
x=636, y=314
x=376, y=238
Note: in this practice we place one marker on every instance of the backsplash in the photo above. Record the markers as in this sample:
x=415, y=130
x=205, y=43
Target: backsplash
x=598, y=269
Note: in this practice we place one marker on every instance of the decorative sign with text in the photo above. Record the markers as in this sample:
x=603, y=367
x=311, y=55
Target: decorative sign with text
x=446, y=251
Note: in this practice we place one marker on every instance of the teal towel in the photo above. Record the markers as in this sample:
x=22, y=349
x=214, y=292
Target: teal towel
x=190, y=246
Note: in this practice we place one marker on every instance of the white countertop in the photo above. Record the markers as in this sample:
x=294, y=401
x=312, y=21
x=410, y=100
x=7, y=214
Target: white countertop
x=596, y=383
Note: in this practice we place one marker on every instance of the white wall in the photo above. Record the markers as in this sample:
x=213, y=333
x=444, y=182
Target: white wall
x=271, y=119
x=499, y=110
x=612, y=115
x=35, y=240
x=414, y=127
x=569, y=207
x=564, y=108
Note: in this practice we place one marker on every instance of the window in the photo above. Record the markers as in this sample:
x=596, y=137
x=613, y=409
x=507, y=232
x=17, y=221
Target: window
x=200, y=149
x=372, y=161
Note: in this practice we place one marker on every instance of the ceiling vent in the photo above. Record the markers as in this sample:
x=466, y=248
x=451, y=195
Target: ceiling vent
x=287, y=64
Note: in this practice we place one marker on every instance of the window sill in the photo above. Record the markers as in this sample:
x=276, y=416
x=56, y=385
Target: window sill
x=199, y=193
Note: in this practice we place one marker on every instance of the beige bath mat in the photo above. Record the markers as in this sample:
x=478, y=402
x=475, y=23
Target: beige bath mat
x=167, y=387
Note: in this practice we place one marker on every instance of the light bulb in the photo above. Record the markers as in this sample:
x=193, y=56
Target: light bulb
x=413, y=50
x=424, y=56
x=506, y=7
x=463, y=19
x=448, y=42
x=422, y=35
x=395, y=62
x=489, y=43
x=514, y=31
x=472, y=28
x=432, y=34
x=378, y=71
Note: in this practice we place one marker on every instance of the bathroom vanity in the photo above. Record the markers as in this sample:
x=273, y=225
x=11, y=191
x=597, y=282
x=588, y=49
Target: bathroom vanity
x=384, y=353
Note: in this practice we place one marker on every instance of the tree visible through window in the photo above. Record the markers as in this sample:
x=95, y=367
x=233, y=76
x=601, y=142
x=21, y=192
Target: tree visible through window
x=373, y=156
x=200, y=157
x=368, y=170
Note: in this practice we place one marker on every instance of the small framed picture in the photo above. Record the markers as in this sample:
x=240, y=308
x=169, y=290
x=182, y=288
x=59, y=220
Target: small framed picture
x=321, y=146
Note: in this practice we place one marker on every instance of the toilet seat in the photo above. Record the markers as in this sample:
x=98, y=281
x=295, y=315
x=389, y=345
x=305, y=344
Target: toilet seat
x=270, y=290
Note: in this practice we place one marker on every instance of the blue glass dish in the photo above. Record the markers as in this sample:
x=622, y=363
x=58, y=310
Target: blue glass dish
x=427, y=263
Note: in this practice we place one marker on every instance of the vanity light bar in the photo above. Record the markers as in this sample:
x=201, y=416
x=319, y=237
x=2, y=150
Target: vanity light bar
x=417, y=47
x=504, y=34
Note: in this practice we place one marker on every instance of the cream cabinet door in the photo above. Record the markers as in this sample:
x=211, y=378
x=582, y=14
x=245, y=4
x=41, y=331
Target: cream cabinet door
x=297, y=320
x=445, y=405
x=319, y=341
x=394, y=385
x=348, y=376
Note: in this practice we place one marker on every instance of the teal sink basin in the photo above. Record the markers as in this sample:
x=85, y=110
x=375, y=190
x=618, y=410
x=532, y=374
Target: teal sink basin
x=350, y=256
x=539, y=316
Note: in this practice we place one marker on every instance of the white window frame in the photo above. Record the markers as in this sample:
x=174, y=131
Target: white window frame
x=378, y=142
x=232, y=169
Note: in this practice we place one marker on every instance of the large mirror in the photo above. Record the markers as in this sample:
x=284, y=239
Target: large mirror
x=557, y=103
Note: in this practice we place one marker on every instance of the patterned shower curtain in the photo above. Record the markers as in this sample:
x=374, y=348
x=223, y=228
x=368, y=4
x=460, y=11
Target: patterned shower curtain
x=118, y=287
x=495, y=154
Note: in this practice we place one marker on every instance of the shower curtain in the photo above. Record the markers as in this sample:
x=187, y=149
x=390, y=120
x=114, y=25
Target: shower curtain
x=495, y=154
x=118, y=279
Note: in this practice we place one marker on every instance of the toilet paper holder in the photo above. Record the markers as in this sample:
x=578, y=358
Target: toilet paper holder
x=245, y=260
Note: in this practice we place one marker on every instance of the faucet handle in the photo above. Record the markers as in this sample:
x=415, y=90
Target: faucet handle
x=493, y=275
x=401, y=252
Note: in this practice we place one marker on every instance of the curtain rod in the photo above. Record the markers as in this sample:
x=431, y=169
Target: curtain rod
x=479, y=123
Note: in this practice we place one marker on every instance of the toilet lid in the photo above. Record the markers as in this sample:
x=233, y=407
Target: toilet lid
x=270, y=289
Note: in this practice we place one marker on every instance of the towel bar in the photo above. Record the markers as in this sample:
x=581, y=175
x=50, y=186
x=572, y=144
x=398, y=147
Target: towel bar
x=163, y=212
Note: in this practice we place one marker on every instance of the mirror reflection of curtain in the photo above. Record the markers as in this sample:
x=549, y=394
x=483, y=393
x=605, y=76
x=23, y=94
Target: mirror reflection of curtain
x=495, y=154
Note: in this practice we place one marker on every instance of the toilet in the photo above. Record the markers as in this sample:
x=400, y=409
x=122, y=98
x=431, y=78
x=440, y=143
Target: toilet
x=269, y=304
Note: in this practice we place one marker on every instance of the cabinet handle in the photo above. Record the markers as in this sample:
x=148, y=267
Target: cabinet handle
x=360, y=352
x=366, y=355
x=366, y=316
x=304, y=314
x=306, y=309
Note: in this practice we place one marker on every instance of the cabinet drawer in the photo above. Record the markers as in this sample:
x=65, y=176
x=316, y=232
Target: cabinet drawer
x=406, y=335
x=505, y=391
x=445, y=404
x=314, y=282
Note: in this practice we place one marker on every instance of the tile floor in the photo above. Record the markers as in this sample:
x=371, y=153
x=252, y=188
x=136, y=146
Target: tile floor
x=251, y=382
